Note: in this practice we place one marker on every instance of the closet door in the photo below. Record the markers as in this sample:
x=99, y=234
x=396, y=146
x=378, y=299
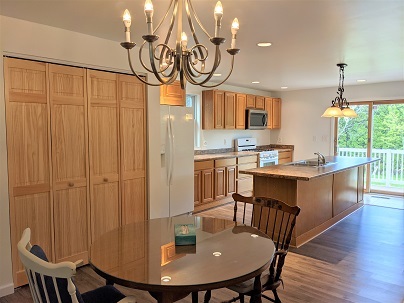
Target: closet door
x=70, y=161
x=28, y=145
x=131, y=94
x=103, y=151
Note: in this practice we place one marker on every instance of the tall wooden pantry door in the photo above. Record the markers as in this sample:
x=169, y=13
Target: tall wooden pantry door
x=28, y=147
x=104, y=151
x=132, y=128
x=68, y=100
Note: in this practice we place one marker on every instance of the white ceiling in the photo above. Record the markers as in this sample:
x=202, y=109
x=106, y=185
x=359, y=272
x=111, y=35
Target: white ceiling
x=309, y=37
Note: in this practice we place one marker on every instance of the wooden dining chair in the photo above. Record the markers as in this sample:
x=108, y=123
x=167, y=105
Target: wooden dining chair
x=277, y=219
x=52, y=283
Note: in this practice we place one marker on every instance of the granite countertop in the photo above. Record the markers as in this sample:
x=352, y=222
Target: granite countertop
x=306, y=173
x=218, y=156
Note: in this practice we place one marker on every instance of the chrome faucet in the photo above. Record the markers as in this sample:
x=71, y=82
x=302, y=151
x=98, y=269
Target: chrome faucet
x=320, y=159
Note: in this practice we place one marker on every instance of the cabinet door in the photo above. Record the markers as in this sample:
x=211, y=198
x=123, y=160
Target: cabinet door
x=218, y=109
x=172, y=94
x=220, y=183
x=241, y=104
x=268, y=108
x=250, y=101
x=131, y=93
x=230, y=110
x=207, y=185
x=259, y=102
x=28, y=145
x=230, y=180
x=197, y=187
x=67, y=87
x=276, y=113
x=103, y=151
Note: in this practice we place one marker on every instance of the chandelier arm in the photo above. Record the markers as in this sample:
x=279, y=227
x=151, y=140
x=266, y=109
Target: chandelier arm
x=172, y=21
x=154, y=70
x=137, y=76
x=165, y=16
x=202, y=60
x=191, y=26
x=231, y=70
x=218, y=59
x=141, y=60
x=197, y=19
x=188, y=66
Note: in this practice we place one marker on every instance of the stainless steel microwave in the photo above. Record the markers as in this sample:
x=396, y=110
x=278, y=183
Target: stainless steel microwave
x=256, y=118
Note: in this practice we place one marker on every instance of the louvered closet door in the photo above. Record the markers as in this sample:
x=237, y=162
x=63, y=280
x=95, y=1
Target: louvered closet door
x=28, y=145
x=133, y=148
x=69, y=159
x=104, y=151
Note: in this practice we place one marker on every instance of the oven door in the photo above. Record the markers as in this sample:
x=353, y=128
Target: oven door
x=268, y=161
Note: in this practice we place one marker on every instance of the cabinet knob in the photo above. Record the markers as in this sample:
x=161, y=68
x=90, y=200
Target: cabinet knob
x=71, y=184
x=105, y=179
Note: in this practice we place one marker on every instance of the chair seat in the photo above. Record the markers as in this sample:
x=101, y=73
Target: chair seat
x=104, y=294
x=247, y=286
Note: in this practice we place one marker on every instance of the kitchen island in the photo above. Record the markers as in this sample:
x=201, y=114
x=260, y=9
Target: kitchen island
x=325, y=194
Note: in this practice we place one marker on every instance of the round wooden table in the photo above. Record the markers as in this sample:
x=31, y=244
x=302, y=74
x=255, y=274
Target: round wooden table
x=144, y=256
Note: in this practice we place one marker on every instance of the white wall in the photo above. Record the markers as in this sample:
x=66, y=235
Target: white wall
x=31, y=40
x=215, y=138
x=302, y=124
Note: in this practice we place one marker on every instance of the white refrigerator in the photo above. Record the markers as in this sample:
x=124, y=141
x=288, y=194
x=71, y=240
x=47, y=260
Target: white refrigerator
x=177, y=159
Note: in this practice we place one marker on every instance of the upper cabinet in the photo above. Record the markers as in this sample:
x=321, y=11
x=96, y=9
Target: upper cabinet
x=172, y=94
x=273, y=107
x=226, y=110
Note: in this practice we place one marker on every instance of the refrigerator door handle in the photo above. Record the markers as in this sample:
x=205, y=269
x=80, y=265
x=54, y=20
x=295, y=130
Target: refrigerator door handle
x=172, y=150
x=168, y=152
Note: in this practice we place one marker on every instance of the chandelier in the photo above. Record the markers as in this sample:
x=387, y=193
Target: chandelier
x=169, y=62
x=339, y=106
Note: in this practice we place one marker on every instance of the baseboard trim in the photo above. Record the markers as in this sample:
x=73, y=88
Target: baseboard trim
x=6, y=289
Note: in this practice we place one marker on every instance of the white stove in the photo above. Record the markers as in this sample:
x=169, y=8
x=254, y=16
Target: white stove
x=267, y=156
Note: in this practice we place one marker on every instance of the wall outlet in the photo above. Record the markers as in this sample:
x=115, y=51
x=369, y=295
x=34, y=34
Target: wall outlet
x=279, y=139
x=225, y=142
x=205, y=143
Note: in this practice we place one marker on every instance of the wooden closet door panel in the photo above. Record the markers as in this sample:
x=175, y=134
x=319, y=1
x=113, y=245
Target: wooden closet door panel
x=131, y=94
x=71, y=232
x=28, y=146
x=70, y=161
x=103, y=151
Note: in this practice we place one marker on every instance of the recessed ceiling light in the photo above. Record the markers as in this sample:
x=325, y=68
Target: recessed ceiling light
x=264, y=44
x=284, y=87
x=361, y=80
x=255, y=82
x=217, y=253
x=217, y=75
x=166, y=279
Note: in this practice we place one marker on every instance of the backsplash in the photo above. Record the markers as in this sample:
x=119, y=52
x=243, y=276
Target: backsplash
x=229, y=150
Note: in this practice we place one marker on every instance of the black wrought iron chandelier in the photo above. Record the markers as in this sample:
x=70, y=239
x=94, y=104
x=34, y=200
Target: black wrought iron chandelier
x=340, y=106
x=167, y=62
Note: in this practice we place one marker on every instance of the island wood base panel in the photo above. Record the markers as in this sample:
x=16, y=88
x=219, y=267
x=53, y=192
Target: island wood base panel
x=323, y=201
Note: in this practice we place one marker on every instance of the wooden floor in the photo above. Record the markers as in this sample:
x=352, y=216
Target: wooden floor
x=358, y=260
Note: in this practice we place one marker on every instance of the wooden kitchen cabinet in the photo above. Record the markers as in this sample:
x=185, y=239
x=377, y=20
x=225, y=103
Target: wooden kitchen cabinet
x=241, y=105
x=203, y=182
x=218, y=109
x=230, y=180
x=250, y=101
x=285, y=156
x=225, y=177
x=259, y=102
x=172, y=94
x=220, y=183
x=273, y=107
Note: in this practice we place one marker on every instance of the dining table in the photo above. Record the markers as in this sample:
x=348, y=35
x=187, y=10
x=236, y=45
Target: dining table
x=144, y=256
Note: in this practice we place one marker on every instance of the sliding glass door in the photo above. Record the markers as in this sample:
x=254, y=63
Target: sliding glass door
x=377, y=132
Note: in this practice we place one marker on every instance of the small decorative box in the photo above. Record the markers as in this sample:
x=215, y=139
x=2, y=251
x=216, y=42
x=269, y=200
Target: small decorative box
x=185, y=234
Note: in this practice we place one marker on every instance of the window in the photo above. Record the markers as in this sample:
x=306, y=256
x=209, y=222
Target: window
x=194, y=102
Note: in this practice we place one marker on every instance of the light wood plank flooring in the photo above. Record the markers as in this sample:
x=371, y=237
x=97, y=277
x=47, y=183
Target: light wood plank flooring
x=358, y=260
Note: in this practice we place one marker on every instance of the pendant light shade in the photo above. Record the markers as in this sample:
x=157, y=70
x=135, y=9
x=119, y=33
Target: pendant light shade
x=340, y=107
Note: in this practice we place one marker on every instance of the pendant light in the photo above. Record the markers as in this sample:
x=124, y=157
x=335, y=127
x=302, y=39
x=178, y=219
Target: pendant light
x=339, y=106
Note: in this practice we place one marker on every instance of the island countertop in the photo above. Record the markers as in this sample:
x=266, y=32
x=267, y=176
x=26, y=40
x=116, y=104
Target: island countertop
x=306, y=173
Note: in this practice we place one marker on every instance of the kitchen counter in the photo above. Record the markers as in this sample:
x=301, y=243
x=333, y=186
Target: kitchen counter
x=217, y=156
x=306, y=173
x=325, y=195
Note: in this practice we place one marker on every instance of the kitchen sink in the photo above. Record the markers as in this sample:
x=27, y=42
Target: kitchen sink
x=310, y=163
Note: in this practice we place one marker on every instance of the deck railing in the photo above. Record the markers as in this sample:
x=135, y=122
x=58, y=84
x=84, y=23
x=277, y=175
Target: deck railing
x=388, y=172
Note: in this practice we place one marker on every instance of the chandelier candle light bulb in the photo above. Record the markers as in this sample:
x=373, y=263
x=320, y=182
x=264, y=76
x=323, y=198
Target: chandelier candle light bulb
x=127, y=22
x=184, y=41
x=218, y=17
x=235, y=26
x=148, y=10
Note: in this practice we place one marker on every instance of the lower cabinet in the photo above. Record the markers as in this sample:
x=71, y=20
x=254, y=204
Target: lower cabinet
x=203, y=182
x=225, y=177
x=244, y=181
x=285, y=156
